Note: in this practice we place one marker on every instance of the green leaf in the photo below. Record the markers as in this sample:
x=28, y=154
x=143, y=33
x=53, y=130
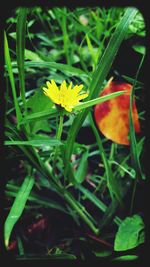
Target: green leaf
x=39, y=103
x=81, y=172
x=47, y=142
x=20, y=50
x=53, y=65
x=82, y=212
x=11, y=77
x=30, y=55
x=126, y=258
x=97, y=100
x=140, y=49
x=17, y=207
x=130, y=233
x=91, y=49
x=36, y=198
x=103, y=253
x=52, y=113
x=96, y=201
x=131, y=80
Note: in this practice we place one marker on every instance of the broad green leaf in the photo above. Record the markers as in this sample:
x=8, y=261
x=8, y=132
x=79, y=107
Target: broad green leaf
x=39, y=103
x=130, y=233
x=30, y=55
x=47, y=142
x=17, y=207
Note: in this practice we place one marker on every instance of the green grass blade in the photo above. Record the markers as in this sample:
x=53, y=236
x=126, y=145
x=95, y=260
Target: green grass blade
x=63, y=25
x=58, y=66
x=81, y=172
x=20, y=50
x=20, y=246
x=36, y=198
x=133, y=146
x=97, y=202
x=112, y=184
x=97, y=100
x=91, y=49
x=11, y=78
x=99, y=75
x=40, y=115
x=47, y=142
x=75, y=205
x=17, y=207
x=34, y=257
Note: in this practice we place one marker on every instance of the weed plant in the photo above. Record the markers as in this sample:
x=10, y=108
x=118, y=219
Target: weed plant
x=70, y=192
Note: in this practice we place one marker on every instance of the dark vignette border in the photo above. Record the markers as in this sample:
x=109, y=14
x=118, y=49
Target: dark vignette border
x=5, y=13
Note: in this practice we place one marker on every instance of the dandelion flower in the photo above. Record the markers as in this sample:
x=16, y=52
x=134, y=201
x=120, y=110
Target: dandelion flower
x=66, y=97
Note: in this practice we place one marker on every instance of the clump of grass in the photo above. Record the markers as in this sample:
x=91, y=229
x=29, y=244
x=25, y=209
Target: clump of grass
x=59, y=177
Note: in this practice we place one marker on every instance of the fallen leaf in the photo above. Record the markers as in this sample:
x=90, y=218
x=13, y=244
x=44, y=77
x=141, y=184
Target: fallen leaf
x=112, y=116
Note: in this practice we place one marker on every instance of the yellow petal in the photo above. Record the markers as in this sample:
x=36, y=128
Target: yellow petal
x=63, y=90
x=70, y=86
x=78, y=88
x=69, y=109
x=45, y=90
x=49, y=85
x=80, y=97
x=54, y=84
x=52, y=92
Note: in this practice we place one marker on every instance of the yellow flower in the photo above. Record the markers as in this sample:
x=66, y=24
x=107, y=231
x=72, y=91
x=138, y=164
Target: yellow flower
x=67, y=97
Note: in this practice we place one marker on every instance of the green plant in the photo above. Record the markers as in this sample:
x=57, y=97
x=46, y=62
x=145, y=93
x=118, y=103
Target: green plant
x=77, y=46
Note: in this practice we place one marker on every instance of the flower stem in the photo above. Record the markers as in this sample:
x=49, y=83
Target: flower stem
x=60, y=127
x=58, y=136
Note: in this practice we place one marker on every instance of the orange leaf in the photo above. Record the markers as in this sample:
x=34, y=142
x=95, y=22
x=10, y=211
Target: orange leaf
x=112, y=116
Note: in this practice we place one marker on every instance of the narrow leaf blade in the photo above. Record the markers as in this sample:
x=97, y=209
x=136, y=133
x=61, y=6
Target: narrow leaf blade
x=17, y=207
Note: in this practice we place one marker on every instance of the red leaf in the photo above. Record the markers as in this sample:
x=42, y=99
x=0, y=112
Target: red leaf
x=112, y=116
